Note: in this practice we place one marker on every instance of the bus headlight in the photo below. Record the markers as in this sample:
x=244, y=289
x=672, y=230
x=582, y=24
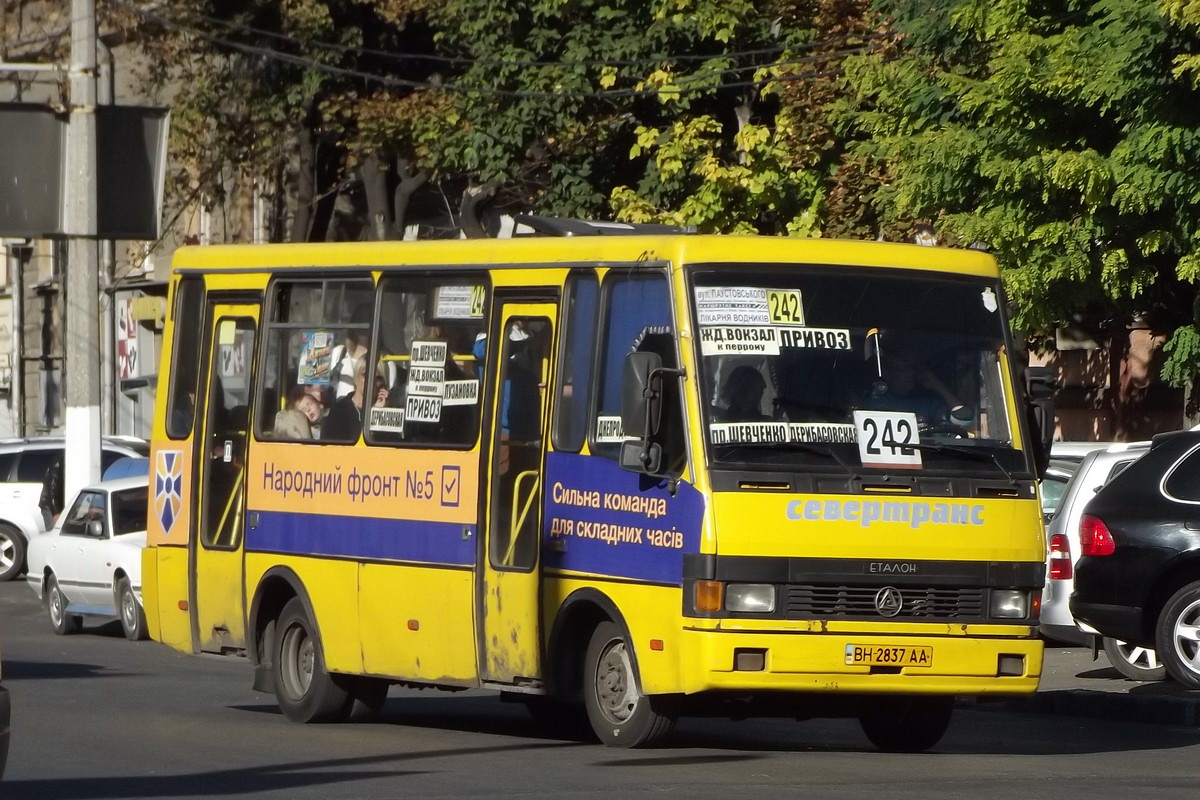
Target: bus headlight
x=750, y=597
x=1010, y=603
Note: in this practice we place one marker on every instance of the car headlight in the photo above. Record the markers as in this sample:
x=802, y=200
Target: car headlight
x=1010, y=603
x=750, y=597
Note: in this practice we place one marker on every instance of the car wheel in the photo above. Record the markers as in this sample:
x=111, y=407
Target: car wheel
x=906, y=724
x=305, y=691
x=56, y=608
x=620, y=714
x=1178, y=636
x=1134, y=662
x=133, y=618
x=12, y=552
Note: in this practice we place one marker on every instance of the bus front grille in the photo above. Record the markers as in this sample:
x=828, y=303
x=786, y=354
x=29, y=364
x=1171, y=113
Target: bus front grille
x=916, y=602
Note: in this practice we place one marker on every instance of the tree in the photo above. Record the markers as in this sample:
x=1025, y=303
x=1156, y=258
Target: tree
x=1062, y=134
x=672, y=112
x=273, y=97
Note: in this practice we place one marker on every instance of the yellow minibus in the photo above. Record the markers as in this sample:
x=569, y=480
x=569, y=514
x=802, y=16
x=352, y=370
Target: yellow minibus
x=618, y=474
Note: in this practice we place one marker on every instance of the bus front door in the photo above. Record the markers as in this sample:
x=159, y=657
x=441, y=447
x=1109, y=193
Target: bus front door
x=510, y=638
x=218, y=605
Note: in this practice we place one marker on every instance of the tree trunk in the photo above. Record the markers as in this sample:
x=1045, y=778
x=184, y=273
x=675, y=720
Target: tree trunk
x=374, y=178
x=410, y=181
x=329, y=167
x=306, y=188
x=474, y=200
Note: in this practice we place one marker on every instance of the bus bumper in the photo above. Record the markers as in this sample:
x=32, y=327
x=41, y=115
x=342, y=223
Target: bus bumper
x=743, y=661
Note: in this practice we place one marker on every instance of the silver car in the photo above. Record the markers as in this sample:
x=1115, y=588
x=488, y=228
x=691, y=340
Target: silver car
x=1062, y=541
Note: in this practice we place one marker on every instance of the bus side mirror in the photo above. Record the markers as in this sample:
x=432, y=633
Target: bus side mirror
x=1039, y=389
x=641, y=395
x=641, y=413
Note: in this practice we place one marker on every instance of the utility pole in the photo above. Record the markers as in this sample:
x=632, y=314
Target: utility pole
x=81, y=318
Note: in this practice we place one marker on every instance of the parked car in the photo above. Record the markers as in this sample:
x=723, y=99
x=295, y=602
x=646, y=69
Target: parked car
x=1138, y=579
x=1075, y=451
x=1062, y=540
x=23, y=467
x=90, y=563
x=1053, y=484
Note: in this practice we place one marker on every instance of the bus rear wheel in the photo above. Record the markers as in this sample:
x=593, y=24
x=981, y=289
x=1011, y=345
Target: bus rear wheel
x=621, y=716
x=906, y=724
x=305, y=691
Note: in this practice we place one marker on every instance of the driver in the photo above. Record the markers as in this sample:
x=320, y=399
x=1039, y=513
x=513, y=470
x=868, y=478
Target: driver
x=909, y=386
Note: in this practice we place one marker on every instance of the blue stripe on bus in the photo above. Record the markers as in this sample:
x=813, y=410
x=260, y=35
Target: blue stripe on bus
x=359, y=537
x=604, y=520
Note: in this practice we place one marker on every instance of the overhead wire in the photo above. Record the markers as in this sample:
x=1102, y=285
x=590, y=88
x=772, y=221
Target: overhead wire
x=685, y=83
x=506, y=62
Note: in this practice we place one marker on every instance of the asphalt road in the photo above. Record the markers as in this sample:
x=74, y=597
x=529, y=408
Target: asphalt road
x=97, y=717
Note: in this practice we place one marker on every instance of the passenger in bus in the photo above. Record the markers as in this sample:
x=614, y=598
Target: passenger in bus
x=344, y=422
x=302, y=413
x=742, y=395
x=908, y=386
x=346, y=359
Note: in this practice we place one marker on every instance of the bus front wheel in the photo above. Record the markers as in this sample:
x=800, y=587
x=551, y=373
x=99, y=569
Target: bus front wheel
x=906, y=724
x=620, y=714
x=305, y=691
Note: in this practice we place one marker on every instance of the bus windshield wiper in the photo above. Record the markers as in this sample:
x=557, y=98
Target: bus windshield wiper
x=978, y=455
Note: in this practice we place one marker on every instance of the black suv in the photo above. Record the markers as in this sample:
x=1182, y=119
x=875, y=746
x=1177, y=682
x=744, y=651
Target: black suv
x=1139, y=575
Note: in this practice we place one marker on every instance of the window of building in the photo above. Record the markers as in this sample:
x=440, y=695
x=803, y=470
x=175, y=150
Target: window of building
x=580, y=309
x=185, y=365
x=429, y=357
x=318, y=341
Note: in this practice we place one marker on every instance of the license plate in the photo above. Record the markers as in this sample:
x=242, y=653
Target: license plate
x=878, y=655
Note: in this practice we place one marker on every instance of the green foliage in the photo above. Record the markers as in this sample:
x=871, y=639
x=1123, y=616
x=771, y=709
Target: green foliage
x=249, y=80
x=1060, y=133
x=1183, y=357
x=562, y=89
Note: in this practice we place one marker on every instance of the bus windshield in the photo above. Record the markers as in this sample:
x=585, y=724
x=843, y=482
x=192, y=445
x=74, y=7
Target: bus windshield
x=798, y=364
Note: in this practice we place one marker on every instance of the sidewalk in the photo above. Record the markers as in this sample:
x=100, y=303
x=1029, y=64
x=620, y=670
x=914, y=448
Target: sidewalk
x=1073, y=684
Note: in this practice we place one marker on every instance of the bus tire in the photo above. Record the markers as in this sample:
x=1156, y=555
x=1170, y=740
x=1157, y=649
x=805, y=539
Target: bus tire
x=620, y=714
x=906, y=724
x=305, y=691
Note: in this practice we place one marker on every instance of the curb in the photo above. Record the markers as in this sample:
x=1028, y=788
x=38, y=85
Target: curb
x=1155, y=709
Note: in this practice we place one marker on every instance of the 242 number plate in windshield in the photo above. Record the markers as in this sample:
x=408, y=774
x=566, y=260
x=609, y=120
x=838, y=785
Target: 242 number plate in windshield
x=882, y=436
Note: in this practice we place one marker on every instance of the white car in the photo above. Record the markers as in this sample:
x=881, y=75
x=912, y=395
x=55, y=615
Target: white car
x=90, y=563
x=24, y=464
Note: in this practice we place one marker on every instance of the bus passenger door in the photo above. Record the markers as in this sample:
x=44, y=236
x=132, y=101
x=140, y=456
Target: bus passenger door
x=510, y=630
x=218, y=604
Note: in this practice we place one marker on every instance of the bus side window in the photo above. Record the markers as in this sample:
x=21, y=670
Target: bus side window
x=185, y=365
x=428, y=361
x=636, y=317
x=575, y=371
x=319, y=333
